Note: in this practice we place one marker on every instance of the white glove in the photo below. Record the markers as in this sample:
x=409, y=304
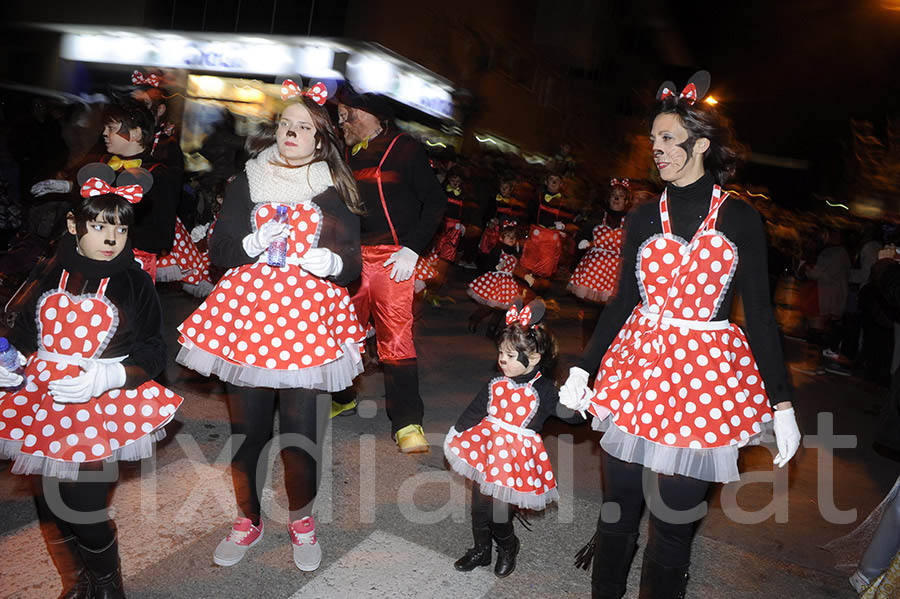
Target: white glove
x=11, y=379
x=583, y=244
x=461, y=228
x=787, y=436
x=559, y=225
x=404, y=261
x=321, y=262
x=96, y=380
x=256, y=243
x=42, y=188
x=574, y=394
x=199, y=232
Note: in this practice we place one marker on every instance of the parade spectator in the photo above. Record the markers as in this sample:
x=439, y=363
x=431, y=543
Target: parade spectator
x=831, y=272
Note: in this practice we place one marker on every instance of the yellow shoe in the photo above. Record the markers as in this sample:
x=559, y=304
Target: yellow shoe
x=343, y=409
x=411, y=439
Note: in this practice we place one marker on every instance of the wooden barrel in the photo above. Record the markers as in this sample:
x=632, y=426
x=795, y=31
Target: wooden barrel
x=787, y=305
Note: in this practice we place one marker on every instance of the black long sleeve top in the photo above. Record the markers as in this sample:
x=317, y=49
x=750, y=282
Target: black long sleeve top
x=414, y=198
x=548, y=405
x=338, y=231
x=139, y=331
x=741, y=223
x=546, y=213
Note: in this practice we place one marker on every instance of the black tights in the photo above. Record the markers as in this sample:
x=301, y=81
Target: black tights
x=85, y=496
x=298, y=415
x=668, y=544
x=491, y=513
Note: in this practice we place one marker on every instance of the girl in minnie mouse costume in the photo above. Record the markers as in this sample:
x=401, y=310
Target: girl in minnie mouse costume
x=93, y=334
x=291, y=330
x=495, y=290
x=680, y=388
x=496, y=442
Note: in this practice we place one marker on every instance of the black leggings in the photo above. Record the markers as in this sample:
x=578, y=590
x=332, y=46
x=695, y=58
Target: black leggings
x=298, y=414
x=491, y=513
x=85, y=496
x=668, y=544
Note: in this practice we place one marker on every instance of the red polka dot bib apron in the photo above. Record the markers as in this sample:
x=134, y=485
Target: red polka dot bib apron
x=684, y=390
x=597, y=275
x=52, y=438
x=508, y=460
x=497, y=288
x=264, y=326
x=184, y=262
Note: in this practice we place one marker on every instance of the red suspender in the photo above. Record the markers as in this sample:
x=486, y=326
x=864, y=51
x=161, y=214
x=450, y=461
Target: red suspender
x=381, y=190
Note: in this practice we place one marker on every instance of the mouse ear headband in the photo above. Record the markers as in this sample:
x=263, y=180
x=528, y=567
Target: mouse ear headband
x=96, y=178
x=528, y=316
x=623, y=182
x=696, y=88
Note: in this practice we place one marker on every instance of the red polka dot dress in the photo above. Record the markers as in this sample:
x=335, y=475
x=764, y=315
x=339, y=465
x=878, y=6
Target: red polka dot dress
x=263, y=326
x=426, y=270
x=185, y=263
x=597, y=274
x=508, y=460
x=54, y=439
x=684, y=391
x=497, y=288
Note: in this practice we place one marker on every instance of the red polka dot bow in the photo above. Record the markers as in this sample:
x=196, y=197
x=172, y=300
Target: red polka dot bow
x=623, y=182
x=318, y=93
x=689, y=93
x=138, y=78
x=695, y=89
x=514, y=314
x=96, y=186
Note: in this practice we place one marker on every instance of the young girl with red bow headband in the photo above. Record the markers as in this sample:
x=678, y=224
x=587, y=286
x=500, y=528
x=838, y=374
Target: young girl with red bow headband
x=496, y=443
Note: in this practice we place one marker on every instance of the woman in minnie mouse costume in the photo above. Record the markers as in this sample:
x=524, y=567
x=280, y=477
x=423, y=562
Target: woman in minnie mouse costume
x=680, y=388
x=496, y=442
x=93, y=333
x=290, y=328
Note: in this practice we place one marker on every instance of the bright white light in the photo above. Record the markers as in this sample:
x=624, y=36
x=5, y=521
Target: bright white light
x=315, y=62
x=369, y=73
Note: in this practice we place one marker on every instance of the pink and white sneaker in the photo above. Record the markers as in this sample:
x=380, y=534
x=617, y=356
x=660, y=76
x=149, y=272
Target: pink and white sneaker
x=242, y=537
x=307, y=552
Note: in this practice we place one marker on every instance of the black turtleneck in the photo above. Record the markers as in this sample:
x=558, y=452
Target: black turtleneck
x=139, y=330
x=738, y=221
x=548, y=398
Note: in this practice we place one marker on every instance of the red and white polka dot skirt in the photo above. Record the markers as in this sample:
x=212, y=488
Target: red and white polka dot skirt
x=53, y=439
x=426, y=270
x=263, y=326
x=684, y=391
x=508, y=460
x=597, y=274
x=497, y=288
x=184, y=262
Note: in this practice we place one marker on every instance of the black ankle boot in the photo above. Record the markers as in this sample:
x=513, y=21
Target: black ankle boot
x=479, y=555
x=613, y=553
x=68, y=562
x=662, y=582
x=104, y=571
x=507, y=550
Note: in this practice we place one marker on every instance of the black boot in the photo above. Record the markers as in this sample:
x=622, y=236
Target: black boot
x=479, y=555
x=104, y=571
x=507, y=550
x=613, y=553
x=68, y=562
x=662, y=582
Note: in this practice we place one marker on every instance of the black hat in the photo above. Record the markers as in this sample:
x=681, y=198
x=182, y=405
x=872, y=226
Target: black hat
x=375, y=104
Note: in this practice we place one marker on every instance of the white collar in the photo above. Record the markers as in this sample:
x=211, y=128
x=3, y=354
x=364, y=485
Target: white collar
x=270, y=183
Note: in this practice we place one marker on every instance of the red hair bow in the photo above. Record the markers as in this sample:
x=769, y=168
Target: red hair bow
x=318, y=93
x=623, y=182
x=96, y=186
x=138, y=78
x=514, y=314
x=689, y=93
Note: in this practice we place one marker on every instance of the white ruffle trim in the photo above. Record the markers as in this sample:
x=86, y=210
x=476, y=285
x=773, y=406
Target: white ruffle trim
x=528, y=501
x=24, y=463
x=487, y=302
x=714, y=464
x=201, y=289
x=418, y=286
x=167, y=274
x=586, y=293
x=332, y=376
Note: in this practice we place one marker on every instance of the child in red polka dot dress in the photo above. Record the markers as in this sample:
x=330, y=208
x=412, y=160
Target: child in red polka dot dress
x=494, y=291
x=92, y=330
x=496, y=443
x=288, y=331
x=185, y=263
